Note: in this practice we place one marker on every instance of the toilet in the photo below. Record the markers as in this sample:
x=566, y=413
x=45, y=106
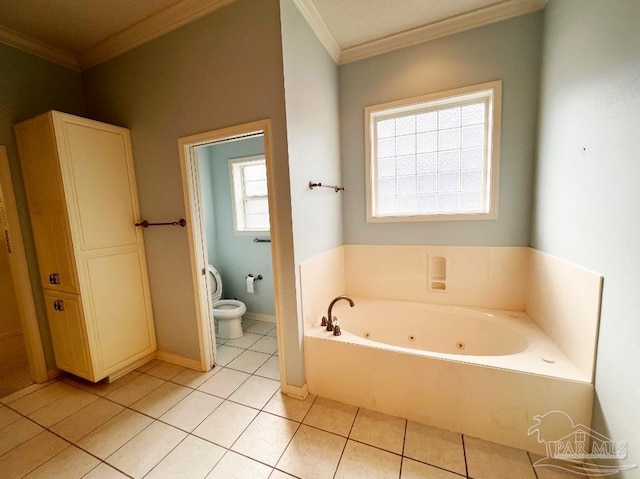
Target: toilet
x=226, y=312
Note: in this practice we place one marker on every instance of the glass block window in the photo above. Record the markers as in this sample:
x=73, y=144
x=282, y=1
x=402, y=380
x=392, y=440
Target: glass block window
x=434, y=157
x=249, y=192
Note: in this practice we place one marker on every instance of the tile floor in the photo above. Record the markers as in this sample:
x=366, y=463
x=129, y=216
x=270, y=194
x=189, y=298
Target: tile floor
x=165, y=421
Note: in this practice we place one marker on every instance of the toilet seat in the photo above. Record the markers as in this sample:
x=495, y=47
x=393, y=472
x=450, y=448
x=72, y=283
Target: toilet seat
x=216, y=284
x=228, y=308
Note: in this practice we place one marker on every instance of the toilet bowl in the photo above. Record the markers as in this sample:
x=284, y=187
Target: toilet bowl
x=227, y=313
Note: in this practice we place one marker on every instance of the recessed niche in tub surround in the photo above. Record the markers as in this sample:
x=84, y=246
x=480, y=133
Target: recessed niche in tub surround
x=485, y=277
x=561, y=298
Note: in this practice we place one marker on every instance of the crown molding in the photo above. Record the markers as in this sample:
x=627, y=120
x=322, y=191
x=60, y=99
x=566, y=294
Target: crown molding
x=38, y=48
x=189, y=10
x=313, y=17
x=148, y=29
x=442, y=28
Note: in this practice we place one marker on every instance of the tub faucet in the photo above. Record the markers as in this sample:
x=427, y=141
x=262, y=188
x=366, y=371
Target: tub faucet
x=329, y=320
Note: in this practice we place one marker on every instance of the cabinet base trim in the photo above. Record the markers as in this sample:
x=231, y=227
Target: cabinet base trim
x=121, y=372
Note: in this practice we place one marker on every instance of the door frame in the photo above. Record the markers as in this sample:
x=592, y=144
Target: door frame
x=20, y=275
x=197, y=246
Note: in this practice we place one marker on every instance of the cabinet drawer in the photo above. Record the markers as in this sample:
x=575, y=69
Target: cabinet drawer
x=68, y=333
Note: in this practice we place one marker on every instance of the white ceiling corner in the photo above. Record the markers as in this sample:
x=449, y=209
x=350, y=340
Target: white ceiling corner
x=313, y=17
x=152, y=27
x=378, y=42
x=80, y=35
x=38, y=48
x=66, y=32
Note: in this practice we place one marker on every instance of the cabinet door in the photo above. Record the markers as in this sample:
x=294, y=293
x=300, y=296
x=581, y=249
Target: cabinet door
x=47, y=207
x=68, y=333
x=102, y=204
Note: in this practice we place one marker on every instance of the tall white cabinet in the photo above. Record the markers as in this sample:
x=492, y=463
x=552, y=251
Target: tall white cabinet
x=82, y=199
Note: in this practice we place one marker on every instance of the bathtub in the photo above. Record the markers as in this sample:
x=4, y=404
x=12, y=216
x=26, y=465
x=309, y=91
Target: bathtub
x=480, y=372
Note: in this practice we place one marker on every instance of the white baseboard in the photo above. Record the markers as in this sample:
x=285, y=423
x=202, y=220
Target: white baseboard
x=260, y=317
x=179, y=360
x=296, y=391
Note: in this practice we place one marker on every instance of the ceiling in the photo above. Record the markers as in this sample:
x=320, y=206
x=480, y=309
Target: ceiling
x=82, y=33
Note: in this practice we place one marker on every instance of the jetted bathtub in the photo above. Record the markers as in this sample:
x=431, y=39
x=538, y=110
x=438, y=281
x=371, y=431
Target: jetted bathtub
x=485, y=373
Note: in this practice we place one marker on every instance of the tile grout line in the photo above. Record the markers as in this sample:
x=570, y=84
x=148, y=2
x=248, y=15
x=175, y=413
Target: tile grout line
x=194, y=435
x=299, y=425
x=229, y=449
x=464, y=453
x=154, y=419
x=349, y=438
x=125, y=407
x=404, y=442
x=223, y=400
x=287, y=447
x=344, y=448
x=46, y=429
x=535, y=472
x=128, y=407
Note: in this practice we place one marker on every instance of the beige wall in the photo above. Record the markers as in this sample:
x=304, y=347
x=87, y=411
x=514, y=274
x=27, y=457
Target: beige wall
x=9, y=316
x=221, y=70
x=29, y=86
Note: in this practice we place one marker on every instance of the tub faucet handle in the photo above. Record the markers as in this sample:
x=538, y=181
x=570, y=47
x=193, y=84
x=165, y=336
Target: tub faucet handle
x=336, y=330
x=330, y=324
x=324, y=321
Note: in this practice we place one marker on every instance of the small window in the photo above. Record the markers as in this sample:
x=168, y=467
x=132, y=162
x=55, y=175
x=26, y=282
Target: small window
x=434, y=157
x=249, y=191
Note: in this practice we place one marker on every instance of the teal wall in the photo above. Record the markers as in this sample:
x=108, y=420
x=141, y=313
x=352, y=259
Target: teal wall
x=587, y=185
x=29, y=86
x=507, y=51
x=234, y=255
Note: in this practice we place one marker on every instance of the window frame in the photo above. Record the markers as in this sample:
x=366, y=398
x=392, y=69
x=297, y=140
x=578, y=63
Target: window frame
x=238, y=197
x=439, y=100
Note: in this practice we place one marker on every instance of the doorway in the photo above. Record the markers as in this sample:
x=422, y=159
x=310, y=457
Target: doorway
x=245, y=244
x=21, y=355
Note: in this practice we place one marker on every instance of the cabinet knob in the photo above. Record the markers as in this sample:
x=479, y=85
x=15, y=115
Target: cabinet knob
x=54, y=278
x=58, y=305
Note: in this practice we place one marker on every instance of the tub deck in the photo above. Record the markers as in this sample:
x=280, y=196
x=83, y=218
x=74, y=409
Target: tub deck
x=490, y=397
x=389, y=324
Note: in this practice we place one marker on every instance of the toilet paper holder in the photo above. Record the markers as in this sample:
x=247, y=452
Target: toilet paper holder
x=256, y=278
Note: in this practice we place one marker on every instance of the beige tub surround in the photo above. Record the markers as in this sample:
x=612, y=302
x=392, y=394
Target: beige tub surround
x=564, y=300
x=476, y=340
x=322, y=279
